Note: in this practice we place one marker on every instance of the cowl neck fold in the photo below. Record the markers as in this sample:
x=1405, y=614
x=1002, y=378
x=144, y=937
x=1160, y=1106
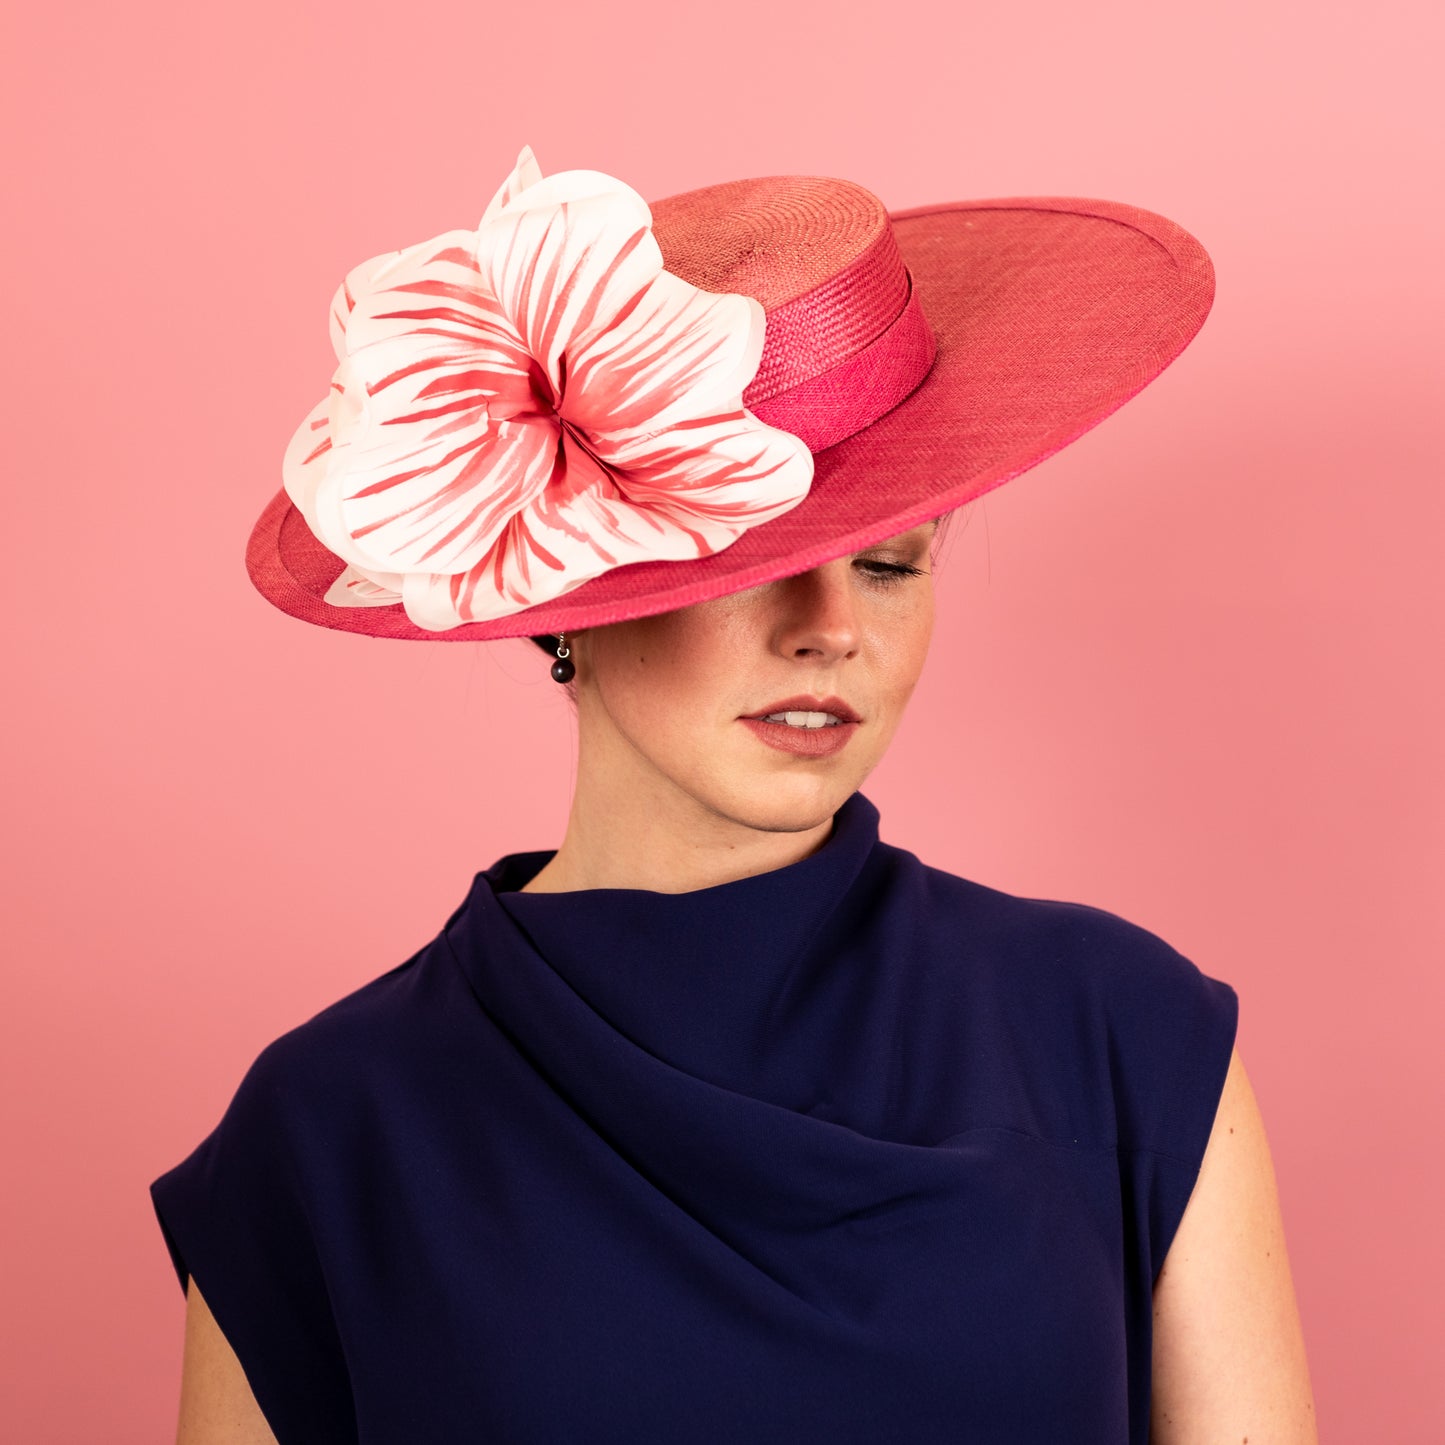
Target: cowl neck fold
x=708, y=1039
x=704, y=979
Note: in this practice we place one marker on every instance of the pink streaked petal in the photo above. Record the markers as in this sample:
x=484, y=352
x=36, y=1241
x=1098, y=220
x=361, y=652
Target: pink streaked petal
x=318, y=449
x=679, y=353
x=568, y=536
x=357, y=283
x=314, y=453
x=408, y=379
x=431, y=338
x=525, y=173
x=307, y=456
x=434, y=432
x=732, y=468
x=354, y=588
x=564, y=263
x=430, y=492
x=432, y=295
x=531, y=565
x=439, y=603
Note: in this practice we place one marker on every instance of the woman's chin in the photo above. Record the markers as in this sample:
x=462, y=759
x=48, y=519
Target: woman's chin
x=786, y=801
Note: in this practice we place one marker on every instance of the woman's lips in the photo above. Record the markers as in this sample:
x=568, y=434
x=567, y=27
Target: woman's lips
x=803, y=742
x=806, y=702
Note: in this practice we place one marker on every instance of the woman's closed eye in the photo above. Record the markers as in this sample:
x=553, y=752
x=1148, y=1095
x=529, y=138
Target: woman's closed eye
x=888, y=573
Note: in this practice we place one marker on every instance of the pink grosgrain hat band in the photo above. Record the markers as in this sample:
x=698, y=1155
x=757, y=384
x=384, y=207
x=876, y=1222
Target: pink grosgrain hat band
x=825, y=373
x=922, y=358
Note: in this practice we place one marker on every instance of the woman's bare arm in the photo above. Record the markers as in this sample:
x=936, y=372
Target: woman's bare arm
x=217, y=1406
x=1229, y=1356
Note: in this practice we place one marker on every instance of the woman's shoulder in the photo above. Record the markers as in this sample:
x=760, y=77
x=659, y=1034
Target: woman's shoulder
x=1111, y=1003
x=363, y=1035
x=1086, y=944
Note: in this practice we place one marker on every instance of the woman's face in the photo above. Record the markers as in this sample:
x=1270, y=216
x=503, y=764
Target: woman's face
x=662, y=701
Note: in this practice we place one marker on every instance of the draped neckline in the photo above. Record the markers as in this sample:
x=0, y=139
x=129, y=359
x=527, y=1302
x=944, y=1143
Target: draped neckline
x=699, y=978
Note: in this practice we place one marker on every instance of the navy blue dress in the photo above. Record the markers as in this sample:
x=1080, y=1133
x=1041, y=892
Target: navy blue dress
x=851, y=1151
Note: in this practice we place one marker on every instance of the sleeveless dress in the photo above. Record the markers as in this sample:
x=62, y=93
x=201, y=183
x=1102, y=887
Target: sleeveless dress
x=855, y=1150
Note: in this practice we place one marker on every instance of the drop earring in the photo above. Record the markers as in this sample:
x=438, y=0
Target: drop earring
x=564, y=669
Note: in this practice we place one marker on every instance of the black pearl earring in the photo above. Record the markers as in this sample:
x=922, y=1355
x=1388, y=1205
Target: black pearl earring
x=564, y=669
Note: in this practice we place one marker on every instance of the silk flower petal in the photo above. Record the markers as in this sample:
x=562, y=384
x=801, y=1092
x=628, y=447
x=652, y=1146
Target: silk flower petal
x=542, y=556
x=304, y=462
x=355, y=588
x=731, y=470
x=589, y=522
x=356, y=283
x=440, y=506
x=678, y=353
x=562, y=264
x=302, y=467
x=525, y=173
x=444, y=439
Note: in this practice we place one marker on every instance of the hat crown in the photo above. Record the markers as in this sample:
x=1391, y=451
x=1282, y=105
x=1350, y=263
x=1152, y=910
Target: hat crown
x=818, y=254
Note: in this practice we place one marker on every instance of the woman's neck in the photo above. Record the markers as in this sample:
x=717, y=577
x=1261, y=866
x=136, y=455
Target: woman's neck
x=630, y=827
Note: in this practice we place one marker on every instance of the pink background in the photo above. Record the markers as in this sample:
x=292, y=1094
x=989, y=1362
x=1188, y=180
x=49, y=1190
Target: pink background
x=1189, y=670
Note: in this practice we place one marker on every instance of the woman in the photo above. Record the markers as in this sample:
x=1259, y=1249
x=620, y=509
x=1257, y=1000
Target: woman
x=725, y=1120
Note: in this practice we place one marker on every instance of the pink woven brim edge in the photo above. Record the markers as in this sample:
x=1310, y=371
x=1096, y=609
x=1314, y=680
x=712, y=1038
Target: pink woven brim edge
x=1050, y=314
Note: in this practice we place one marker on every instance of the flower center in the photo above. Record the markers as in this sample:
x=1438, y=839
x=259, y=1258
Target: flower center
x=541, y=386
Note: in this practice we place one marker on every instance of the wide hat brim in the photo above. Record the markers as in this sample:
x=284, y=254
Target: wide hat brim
x=1049, y=314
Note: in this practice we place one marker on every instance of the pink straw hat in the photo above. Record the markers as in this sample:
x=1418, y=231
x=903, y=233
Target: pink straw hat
x=588, y=410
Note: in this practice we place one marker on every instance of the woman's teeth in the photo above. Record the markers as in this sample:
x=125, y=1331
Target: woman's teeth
x=804, y=719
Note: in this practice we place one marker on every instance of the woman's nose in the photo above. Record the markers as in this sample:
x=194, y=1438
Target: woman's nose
x=818, y=614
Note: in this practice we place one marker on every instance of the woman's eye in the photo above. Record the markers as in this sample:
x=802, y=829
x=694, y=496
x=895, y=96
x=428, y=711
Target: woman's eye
x=889, y=572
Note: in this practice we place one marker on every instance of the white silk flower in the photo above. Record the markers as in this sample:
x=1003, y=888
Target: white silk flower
x=520, y=408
